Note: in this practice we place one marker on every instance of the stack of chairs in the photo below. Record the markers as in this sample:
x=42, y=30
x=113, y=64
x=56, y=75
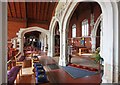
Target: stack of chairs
x=41, y=76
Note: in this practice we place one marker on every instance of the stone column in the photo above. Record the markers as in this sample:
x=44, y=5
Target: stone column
x=42, y=41
x=52, y=44
x=14, y=43
x=21, y=45
x=3, y=42
x=49, y=47
x=93, y=43
x=61, y=48
x=45, y=42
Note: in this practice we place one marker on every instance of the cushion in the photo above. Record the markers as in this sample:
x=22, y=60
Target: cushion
x=12, y=74
x=21, y=58
x=40, y=71
x=37, y=64
x=41, y=78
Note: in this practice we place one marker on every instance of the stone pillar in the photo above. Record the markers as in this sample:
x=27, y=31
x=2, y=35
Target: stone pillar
x=21, y=40
x=106, y=51
x=14, y=42
x=63, y=61
x=3, y=42
x=49, y=47
x=52, y=44
x=61, y=48
x=93, y=43
x=42, y=41
x=45, y=42
x=21, y=45
x=101, y=39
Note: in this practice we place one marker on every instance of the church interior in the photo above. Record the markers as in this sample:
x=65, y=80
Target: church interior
x=58, y=43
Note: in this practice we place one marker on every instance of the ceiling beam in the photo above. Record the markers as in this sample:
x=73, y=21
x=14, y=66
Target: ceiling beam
x=28, y=20
x=32, y=10
x=16, y=19
x=38, y=21
x=10, y=9
x=45, y=15
x=55, y=7
x=44, y=5
x=53, y=10
x=40, y=9
x=92, y=8
x=15, y=9
x=36, y=9
x=26, y=16
x=20, y=10
x=48, y=10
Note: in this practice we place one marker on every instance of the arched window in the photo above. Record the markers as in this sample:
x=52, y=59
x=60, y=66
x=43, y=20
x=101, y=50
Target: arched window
x=85, y=28
x=74, y=30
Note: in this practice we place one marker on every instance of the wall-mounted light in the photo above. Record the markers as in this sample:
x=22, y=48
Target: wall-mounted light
x=30, y=39
x=34, y=40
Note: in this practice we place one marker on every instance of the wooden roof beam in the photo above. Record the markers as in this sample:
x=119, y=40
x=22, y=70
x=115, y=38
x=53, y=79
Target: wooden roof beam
x=15, y=9
x=10, y=9
x=20, y=10
x=26, y=16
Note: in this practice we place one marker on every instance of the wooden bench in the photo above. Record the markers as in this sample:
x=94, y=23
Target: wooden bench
x=12, y=74
x=82, y=50
x=19, y=59
x=41, y=76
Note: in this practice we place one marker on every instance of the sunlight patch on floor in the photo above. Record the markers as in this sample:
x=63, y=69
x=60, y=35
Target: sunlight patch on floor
x=27, y=71
x=86, y=54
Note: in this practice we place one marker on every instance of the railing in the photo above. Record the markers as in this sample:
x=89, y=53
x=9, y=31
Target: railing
x=10, y=62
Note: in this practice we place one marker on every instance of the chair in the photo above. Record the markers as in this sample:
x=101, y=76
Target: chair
x=19, y=59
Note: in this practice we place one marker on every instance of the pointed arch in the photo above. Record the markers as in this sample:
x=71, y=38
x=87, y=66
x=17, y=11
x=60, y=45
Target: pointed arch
x=52, y=27
x=30, y=29
x=109, y=11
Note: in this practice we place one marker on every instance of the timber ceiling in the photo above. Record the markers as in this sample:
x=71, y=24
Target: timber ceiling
x=83, y=6
x=37, y=12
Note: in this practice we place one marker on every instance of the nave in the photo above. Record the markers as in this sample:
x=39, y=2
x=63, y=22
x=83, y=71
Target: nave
x=57, y=75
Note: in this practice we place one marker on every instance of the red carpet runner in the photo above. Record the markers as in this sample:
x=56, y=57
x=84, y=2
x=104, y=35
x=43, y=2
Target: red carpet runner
x=83, y=67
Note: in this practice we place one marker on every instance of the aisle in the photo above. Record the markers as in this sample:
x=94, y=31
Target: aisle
x=57, y=75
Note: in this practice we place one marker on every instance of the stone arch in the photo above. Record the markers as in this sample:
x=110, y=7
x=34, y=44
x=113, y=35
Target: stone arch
x=30, y=29
x=109, y=11
x=34, y=29
x=94, y=31
x=3, y=39
x=53, y=24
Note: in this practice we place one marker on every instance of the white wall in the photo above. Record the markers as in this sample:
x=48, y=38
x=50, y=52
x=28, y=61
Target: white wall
x=42, y=39
x=3, y=42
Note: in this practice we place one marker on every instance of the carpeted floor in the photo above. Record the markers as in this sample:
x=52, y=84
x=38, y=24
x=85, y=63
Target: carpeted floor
x=78, y=73
x=53, y=66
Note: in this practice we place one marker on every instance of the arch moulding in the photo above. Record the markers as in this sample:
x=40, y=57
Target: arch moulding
x=110, y=14
x=30, y=29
